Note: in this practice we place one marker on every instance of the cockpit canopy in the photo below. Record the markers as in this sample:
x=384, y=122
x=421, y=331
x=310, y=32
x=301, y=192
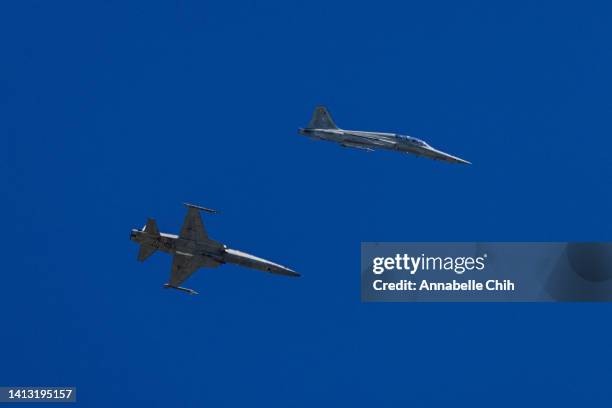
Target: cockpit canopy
x=413, y=140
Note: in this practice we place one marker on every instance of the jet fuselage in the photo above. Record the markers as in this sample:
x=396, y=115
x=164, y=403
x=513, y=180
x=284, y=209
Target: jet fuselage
x=206, y=252
x=378, y=140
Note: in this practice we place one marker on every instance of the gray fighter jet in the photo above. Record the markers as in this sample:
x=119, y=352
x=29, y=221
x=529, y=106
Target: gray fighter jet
x=322, y=127
x=193, y=249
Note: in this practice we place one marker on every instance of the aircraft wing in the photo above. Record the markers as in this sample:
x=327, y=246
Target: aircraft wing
x=357, y=146
x=183, y=266
x=384, y=143
x=193, y=227
x=370, y=140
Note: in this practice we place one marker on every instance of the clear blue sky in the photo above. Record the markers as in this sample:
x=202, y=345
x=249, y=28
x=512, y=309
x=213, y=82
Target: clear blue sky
x=115, y=111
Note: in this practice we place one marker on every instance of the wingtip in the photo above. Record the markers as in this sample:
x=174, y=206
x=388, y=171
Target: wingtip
x=209, y=210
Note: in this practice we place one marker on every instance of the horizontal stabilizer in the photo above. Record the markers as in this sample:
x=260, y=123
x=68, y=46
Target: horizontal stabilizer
x=145, y=252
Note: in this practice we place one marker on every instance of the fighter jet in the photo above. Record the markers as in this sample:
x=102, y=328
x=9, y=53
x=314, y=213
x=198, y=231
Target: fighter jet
x=322, y=127
x=193, y=249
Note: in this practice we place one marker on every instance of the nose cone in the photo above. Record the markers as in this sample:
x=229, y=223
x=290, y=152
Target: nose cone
x=437, y=154
x=281, y=270
x=289, y=272
x=460, y=160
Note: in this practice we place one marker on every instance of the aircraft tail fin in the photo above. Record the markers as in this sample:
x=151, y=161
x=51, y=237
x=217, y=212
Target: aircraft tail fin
x=146, y=250
x=151, y=227
x=321, y=119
